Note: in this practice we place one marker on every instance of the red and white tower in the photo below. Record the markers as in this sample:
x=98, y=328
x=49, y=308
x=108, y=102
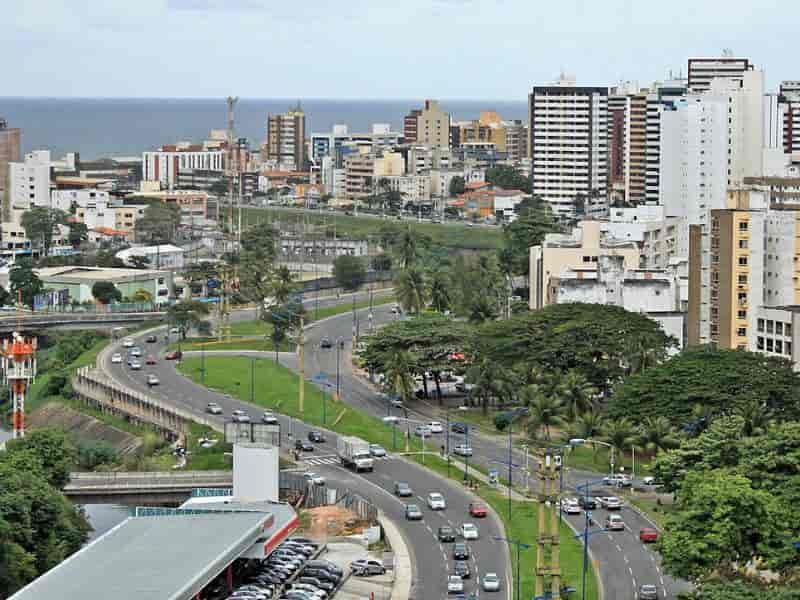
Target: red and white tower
x=19, y=369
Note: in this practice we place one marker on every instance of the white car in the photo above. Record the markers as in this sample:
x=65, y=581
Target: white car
x=469, y=531
x=127, y=343
x=314, y=478
x=455, y=585
x=134, y=364
x=463, y=450
x=614, y=523
x=435, y=427
x=269, y=418
x=436, y=501
x=377, y=450
x=239, y=416
x=491, y=582
x=610, y=502
x=116, y=359
x=617, y=480
x=422, y=431
x=570, y=506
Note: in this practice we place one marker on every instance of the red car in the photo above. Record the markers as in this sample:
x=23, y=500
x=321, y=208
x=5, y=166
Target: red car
x=174, y=355
x=150, y=360
x=648, y=535
x=477, y=510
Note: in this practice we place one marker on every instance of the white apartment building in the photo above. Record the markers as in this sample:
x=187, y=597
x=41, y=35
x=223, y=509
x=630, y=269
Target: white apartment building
x=568, y=143
x=413, y=188
x=94, y=208
x=164, y=164
x=702, y=71
x=777, y=333
x=29, y=183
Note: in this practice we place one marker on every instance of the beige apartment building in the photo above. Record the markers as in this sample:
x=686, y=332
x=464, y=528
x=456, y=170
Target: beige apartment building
x=429, y=126
x=560, y=253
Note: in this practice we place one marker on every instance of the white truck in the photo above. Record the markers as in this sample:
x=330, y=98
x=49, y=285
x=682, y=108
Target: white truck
x=354, y=453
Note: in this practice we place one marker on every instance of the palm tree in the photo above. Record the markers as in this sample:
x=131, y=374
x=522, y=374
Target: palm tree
x=399, y=376
x=491, y=380
x=577, y=392
x=620, y=433
x=408, y=248
x=545, y=412
x=282, y=285
x=656, y=433
x=483, y=309
x=756, y=417
x=587, y=425
x=640, y=356
x=411, y=290
x=440, y=292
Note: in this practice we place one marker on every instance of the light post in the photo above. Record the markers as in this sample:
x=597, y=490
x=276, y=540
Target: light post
x=394, y=420
x=339, y=347
x=519, y=546
x=511, y=466
x=586, y=534
x=581, y=441
x=467, y=453
x=203, y=364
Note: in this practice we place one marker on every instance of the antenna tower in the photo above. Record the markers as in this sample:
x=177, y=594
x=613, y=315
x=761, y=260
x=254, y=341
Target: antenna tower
x=19, y=369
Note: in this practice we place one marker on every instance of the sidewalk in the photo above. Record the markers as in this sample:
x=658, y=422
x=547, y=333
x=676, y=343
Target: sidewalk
x=401, y=590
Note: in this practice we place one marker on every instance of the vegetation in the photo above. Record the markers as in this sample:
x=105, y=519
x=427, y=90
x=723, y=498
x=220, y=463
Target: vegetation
x=40, y=223
x=159, y=223
x=187, y=315
x=508, y=178
x=534, y=220
x=457, y=186
x=106, y=292
x=349, y=272
x=24, y=282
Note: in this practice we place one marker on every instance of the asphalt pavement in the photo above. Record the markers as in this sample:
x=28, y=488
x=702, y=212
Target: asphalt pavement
x=432, y=560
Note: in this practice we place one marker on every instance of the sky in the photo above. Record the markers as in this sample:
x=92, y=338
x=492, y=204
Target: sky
x=458, y=49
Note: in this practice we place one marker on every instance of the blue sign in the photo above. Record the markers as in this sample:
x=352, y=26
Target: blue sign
x=212, y=284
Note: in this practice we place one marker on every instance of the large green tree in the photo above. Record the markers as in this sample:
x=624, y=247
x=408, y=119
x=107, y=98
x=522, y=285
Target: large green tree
x=105, y=292
x=721, y=381
x=40, y=224
x=534, y=220
x=159, y=223
x=257, y=262
x=457, y=186
x=24, y=282
x=78, y=233
x=187, y=315
x=349, y=272
x=509, y=178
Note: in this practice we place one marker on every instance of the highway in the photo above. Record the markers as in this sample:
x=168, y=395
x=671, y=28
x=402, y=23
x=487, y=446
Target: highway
x=432, y=560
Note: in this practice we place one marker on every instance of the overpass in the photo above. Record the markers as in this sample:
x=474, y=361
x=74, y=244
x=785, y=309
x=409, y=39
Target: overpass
x=80, y=320
x=144, y=487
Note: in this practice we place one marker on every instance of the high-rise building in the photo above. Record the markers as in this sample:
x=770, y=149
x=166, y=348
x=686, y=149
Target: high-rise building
x=703, y=70
x=789, y=102
x=165, y=164
x=9, y=152
x=661, y=98
x=429, y=126
x=286, y=144
x=568, y=143
x=29, y=183
x=627, y=144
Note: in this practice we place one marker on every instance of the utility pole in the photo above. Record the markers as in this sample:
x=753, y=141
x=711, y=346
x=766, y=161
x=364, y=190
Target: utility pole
x=301, y=345
x=547, y=558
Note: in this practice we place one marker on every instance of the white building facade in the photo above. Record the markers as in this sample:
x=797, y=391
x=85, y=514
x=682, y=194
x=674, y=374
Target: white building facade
x=164, y=164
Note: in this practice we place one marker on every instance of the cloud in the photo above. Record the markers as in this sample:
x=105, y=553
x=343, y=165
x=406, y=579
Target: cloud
x=216, y=5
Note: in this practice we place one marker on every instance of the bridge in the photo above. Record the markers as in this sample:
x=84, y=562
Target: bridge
x=142, y=487
x=78, y=320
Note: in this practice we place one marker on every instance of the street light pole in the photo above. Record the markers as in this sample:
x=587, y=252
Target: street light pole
x=466, y=454
x=252, y=378
x=519, y=546
x=339, y=343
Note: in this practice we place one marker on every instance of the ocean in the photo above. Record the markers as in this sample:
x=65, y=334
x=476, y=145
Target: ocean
x=105, y=127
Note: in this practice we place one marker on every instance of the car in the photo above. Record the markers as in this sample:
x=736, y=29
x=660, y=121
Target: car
x=396, y=402
x=570, y=506
x=614, y=523
x=402, y=489
x=316, y=437
x=422, y=431
x=650, y=481
x=469, y=531
x=413, y=513
x=587, y=502
x=150, y=360
x=152, y=380
x=134, y=364
x=461, y=568
x=127, y=343
x=478, y=510
x=174, y=331
x=151, y=339
x=647, y=591
x=460, y=551
x=367, y=566
x=458, y=427
x=455, y=584
x=436, y=501
x=327, y=565
x=299, y=547
x=173, y=355
x=435, y=427
x=462, y=450
x=321, y=574
x=491, y=582
x=648, y=534
x=396, y=310
x=318, y=583
x=239, y=416
x=312, y=477
x=303, y=446
x=325, y=343
x=617, y=480
x=213, y=408
x=446, y=534
x=377, y=450
x=135, y=351
x=269, y=418
x=610, y=502
x=304, y=540
x=314, y=591
x=116, y=358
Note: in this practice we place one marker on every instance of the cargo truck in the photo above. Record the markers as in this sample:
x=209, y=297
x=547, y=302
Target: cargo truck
x=354, y=453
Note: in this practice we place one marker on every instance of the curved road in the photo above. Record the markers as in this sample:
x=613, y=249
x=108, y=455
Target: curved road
x=432, y=560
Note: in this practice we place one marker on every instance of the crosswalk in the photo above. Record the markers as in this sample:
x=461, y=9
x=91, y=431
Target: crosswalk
x=332, y=459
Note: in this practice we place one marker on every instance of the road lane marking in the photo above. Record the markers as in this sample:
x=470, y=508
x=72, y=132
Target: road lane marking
x=625, y=558
x=618, y=548
x=630, y=571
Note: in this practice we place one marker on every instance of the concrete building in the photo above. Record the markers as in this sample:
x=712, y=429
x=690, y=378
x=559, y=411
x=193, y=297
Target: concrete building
x=702, y=71
x=164, y=165
x=330, y=144
x=413, y=188
x=29, y=183
x=661, y=98
x=161, y=256
x=9, y=153
x=286, y=139
x=582, y=248
x=627, y=144
x=79, y=281
x=359, y=177
x=789, y=103
x=429, y=125
x=125, y=218
x=777, y=333
x=568, y=143
x=193, y=204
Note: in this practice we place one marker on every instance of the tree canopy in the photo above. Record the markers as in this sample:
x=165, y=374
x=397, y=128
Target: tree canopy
x=257, y=261
x=106, y=292
x=721, y=381
x=159, y=223
x=534, y=220
x=24, y=282
x=349, y=272
x=187, y=314
x=508, y=178
x=457, y=186
x=592, y=339
x=40, y=223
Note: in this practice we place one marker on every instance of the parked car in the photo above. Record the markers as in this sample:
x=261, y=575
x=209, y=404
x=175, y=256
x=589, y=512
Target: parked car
x=436, y=501
x=587, y=502
x=461, y=568
x=648, y=534
x=377, y=450
x=614, y=523
x=367, y=566
x=213, y=408
x=446, y=534
x=491, y=582
x=175, y=331
x=570, y=506
x=151, y=339
x=314, y=478
x=150, y=360
x=323, y=585
x=303, y=446
x=435, y=427
x=396, y=310
x=269, y=418
x=460, y=551
x=173, y=355
x=316, y=437
x=413, y=513
x=477, y=510
x=239, y=416
x=610, y=502
x=127, y=343
x=327, y=565
x=116, y=358
x=455, y=585
x=462, y=450
x=469, y=531
x=402, y=489
x=648, y=591
x=152, y=380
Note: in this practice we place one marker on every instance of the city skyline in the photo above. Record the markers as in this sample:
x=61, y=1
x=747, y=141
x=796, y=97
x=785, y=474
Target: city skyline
x=162, y=47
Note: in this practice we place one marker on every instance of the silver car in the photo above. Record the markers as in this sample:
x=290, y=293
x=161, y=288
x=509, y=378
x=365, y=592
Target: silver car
x=491, y=582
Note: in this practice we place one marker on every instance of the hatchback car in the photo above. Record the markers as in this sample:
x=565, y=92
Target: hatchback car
x=469, y=531
x=150, y=360
x=436, y=501
x=213, y=408
x=269, y=418
x=325, y=343
x=367, y=566
x=611, y=502
x=316, y=437
x=570, y=506
x=648, y=591
x=435, y=427
x=614, y=523
x=422, y=431
x=151, y=339
x=587, y=502
x=135, y=351
x=463, y=450
x=413, y=513
x=152, y=380
x=477, y=510
x=127, y=343
x=461, y=568
x=303, y=446
x=377, y=450
x=491, y=582
x=460, y=551
x=134, y=364
x=173, y=355
x=402, y=489
x=648, y=534
x=239, y=416
x=314, y=478
x=458, y=427
x=455, y=585
x=116, y=358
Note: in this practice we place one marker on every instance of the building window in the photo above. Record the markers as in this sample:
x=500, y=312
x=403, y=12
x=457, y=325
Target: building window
x=760, y=343
x=769, y=344
x=787, y=348
x=770, y=326
x=160, y=281
x=742, y=225
x=743, y=244
x=760, y=325
x=741, y=332
x=778, y=328
x=742, y=314
x=779, y=346
x=742, y=261
x=742, y=279
x=787, y=329
x=587, y=259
